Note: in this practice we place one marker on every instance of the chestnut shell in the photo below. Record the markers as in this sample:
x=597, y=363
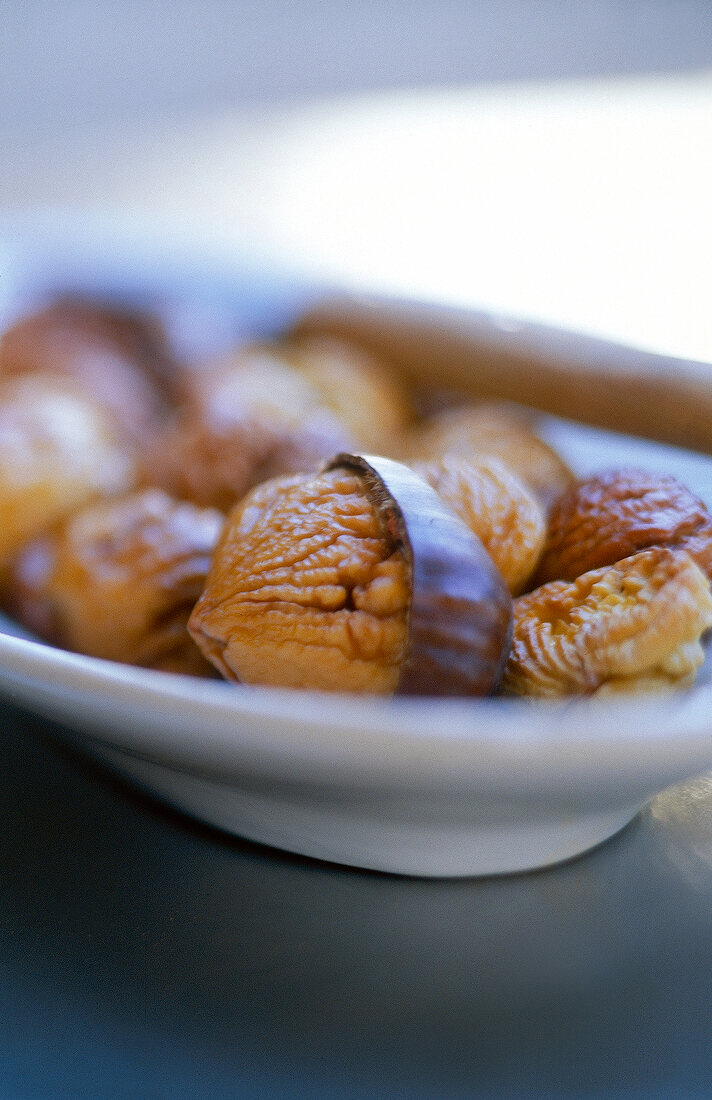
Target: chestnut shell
x=460, y=622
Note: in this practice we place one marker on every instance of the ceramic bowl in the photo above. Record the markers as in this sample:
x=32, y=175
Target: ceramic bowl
x=412, y=786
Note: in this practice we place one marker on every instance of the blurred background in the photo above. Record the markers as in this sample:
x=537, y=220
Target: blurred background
x=550, y=159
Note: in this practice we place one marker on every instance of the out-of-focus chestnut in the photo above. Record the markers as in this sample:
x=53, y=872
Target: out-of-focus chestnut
x=119, y=579
x=272, y=410
x=58, y=450
x=356, y=387
x=503, y=431
x=246, y=422
x=118, y=357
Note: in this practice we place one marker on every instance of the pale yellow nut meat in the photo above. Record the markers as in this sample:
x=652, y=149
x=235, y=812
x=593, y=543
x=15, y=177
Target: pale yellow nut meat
x=497, y=506
x=58, y=450
x=119, y=578
x=306, y=590
x=498, y=430
x=635, y=625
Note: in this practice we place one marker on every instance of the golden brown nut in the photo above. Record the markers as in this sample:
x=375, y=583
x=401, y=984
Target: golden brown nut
x=58, y=450
x=119, y=579
x=633, y=626
x=497, y=506
x=356, y=579
x=304, y=590
x=356, y=388
x=246, y=422
x=605, y=518
x=119, y=358
x=273, y=409
x=502, y=431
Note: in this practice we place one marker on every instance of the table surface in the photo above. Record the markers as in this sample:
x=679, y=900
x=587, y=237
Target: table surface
x=144, y=955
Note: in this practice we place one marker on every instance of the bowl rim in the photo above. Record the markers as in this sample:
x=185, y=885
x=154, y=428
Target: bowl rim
x=508, y=741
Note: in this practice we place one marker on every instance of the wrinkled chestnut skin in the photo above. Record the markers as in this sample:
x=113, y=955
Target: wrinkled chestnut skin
x=119, y=358
x=305, y=591
x=605, y=518
x=633, y=626
x=354, y=579
x=119, y=579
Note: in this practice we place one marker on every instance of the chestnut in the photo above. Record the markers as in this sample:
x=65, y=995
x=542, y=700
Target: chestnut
x=119, y=358
x=118, y=579
x=357, y=578
x=271, y=409
x=58, y=451
x=242, y=423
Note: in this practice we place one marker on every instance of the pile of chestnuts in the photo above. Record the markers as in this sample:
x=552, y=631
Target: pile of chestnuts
x=292, y=514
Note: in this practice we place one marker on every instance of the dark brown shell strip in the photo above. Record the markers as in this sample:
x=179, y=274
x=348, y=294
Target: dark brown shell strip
x=460, y=624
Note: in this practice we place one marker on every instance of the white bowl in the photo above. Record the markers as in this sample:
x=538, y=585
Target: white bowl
x=412, y=786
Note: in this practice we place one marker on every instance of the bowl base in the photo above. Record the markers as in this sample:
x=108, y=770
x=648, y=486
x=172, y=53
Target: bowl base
x=374, y=836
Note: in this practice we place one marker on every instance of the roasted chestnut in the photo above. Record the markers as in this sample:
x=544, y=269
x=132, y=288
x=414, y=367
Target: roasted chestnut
x=607, y=517
x=119, y=578
x=58, y=450
x=358, y=578
x=497, y=506
x=244, y=423
x=273, y=409
x=119, y=358
x=491, y=429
